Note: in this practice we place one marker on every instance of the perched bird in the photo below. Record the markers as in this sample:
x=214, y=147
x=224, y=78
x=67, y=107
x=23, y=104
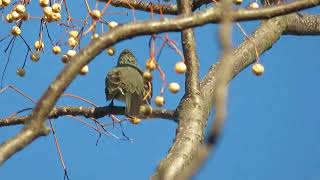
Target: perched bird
x=125, y=82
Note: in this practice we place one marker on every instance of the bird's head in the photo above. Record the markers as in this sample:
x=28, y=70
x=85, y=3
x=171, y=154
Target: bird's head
x=126, y=57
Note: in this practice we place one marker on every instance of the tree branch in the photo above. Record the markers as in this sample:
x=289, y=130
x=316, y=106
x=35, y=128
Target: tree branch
x=88, y=112
x=36, y=128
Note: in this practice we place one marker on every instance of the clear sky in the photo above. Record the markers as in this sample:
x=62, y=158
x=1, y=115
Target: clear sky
x=272, y=130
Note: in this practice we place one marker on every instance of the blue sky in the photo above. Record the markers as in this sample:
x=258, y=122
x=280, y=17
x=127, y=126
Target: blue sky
x=271, y=131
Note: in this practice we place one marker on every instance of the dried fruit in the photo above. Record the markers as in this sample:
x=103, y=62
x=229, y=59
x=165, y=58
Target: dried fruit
x=180, y=67
x=73, y=42
x=24, y=16
x=71, y=53
x=47, y=11
x=258, y=69
x=6, y=2
x=237, y=2
x=145, y=109
x=253, y=5
x=15, y=15
x=159, y=100
x=20, y=8
x=112, y=24
x=111, y=51
x=21, y=72
x=95, y=14
x=15, y=30
x=35, y=57
x=44, y=3
x=151, y=64
x=9, y=18
x=147, y=75
x=174, y=87
x=65, y=58
x=56, y=16
x=84, y=70
x=56, y=49
x=135, y=120
x=38, y=45
x=73, y=33
x=56, y=7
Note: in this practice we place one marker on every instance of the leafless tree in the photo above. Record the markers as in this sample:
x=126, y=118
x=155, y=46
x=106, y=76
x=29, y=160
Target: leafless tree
x=190, y=147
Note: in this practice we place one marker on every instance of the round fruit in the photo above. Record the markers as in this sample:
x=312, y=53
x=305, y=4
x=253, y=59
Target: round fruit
x=56, y=16
x=44, y=3
x=73, y=42
x=15, y=30
x=6, y=2
x=47, y=11
x=151, y=64
x=71, y=53
x=145, y=109
x=20, y=8
x=56, y=49
x=258, y=69
x=237, y=2
x=21, y=72
x=24, y=16
x=35, y=57
x=159, y=100
x=84, y=70
x=147, y=75
x=15, y=15
x=9, y=18
x=135, y=120
x=73, y=33
x=174, y=87
x=65, y=58
x=111, y=51
x=38, y=45
x=56, y=7
x=180, y=67
x=254, y=5
x=95, y=14
x=112, y=24
x=95, y=36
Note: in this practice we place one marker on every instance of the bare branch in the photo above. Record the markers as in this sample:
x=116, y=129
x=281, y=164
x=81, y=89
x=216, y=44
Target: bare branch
x=144, y=6
x=304, y=25
x=88, y=112
x=36, y=127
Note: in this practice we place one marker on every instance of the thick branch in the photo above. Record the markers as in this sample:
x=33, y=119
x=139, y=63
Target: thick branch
x=71, y=70
x=88, y=112
x=304, y=25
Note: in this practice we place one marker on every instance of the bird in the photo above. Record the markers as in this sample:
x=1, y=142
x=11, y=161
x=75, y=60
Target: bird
x=125, y=82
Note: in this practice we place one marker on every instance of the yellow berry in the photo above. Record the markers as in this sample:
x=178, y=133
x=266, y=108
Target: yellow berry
x=6, y=2
x=73, y=42
x=56, y=7
x=180, y=67
x=38, y=45
x=71, y=53
x=20, y=8
x=84, y=70
x=111, y=51
x=112, y=24
x=56, y=49
x=15, y=30
x=254, y=5
x=237, y=2
x=15, y=15
x=151, y=64
x=35, y=57
x=73, y=33
x=21, y=72
x=258, y=69
x=44, y=3
x=174, y=87
x=147, y=76
x=95, y=14
x=145, y=109
x=135, y=120
x=56, y=16
x=94, y=36
x=47, y=11
x=9, y=18
x=159, y=100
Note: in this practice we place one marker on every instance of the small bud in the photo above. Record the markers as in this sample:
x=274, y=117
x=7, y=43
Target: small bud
x=84, y=70
x=111, y=51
